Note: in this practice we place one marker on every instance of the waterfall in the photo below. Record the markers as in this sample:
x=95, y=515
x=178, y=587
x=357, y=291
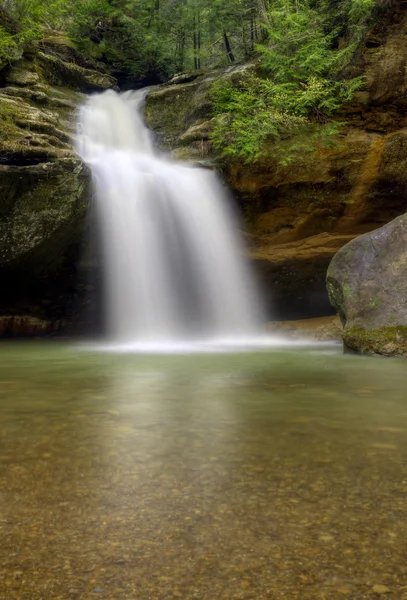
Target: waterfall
x=173, y=259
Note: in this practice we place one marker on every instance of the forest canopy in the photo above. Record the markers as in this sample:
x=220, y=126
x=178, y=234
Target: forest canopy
x=151, y=38
x=301, y=49
x=162, y=37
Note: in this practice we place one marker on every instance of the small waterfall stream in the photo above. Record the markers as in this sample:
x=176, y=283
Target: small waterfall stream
x=173, y=259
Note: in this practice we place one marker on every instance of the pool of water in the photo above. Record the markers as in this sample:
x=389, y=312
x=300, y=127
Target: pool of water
x=274, y=474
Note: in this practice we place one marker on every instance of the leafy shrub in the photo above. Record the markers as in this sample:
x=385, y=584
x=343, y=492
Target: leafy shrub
x=301, y=85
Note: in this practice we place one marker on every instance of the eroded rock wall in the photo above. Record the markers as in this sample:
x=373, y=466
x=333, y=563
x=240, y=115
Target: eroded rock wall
x=44, y=187
x=337, y=193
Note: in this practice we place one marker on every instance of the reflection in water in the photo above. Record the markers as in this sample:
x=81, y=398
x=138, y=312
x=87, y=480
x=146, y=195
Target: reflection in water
x=270, y=475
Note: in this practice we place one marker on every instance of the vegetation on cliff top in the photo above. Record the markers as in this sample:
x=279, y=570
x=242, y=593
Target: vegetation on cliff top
x=300, y=83
x=151, y=39
x=303, y=48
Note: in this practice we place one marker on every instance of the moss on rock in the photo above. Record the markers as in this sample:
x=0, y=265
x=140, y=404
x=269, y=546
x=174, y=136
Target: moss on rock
x=44, y=186
x=385, y=341
x=59, y=72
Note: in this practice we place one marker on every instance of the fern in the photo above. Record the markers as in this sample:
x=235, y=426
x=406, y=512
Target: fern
x=302, y=87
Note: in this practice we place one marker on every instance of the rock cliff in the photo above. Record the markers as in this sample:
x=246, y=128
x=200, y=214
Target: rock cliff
x=44, y=186
x=296, y=217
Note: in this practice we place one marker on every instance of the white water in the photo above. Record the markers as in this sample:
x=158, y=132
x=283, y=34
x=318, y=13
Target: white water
x=176, y=276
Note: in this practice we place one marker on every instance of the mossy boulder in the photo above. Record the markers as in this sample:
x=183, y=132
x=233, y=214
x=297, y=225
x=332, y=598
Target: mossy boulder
x=367, y=285
x=60, y=72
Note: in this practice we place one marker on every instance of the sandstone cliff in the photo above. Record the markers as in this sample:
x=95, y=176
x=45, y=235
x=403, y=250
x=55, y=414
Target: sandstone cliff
x=296, y=217
x=44, y=186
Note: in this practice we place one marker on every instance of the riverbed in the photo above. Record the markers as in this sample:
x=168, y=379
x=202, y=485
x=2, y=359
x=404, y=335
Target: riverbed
x=273, y=474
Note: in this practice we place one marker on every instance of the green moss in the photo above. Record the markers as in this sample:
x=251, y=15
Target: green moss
x=385, y=341
x=374, y=303
x=347, y=292
x=7, y=123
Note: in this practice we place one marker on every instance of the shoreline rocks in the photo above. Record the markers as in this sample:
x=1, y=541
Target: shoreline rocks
x=367, y=285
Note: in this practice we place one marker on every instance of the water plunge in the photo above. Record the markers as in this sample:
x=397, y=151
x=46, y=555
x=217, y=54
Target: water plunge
x=173, y=259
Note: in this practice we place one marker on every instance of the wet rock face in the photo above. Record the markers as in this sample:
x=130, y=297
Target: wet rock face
x=44, y=187
x=37, y=201
x=26, y=326
x=367, y=285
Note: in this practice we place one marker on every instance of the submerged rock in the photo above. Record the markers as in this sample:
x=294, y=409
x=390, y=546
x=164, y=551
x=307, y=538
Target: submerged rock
x=317, y=329
x=367, y=284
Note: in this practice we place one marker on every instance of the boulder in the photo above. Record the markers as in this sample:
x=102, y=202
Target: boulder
x=322, y=329
x=367, y=285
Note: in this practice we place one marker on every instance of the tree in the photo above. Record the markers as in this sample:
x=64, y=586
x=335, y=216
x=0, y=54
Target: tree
x=300, y=85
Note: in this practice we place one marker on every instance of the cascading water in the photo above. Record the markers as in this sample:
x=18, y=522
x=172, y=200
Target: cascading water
x=173, y=259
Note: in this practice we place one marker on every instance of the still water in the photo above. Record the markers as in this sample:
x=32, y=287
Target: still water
x=278, y=474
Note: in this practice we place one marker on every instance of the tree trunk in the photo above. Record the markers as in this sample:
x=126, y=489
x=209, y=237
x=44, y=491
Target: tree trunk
x=263, y=10
x=252, y=34
x=199, y=42
x=181, y=49
x=228, y=48
x=155, y=10
x=195, y=46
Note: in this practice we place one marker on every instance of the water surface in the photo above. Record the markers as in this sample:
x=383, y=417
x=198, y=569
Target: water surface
x=278, y=474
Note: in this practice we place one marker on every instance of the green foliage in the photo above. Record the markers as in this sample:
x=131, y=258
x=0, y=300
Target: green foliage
x=250, y=114
x=22, y=22
x=107, y=33
x=7, y=123
x=8, y=46
x=301, y=84
x=150, y=40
